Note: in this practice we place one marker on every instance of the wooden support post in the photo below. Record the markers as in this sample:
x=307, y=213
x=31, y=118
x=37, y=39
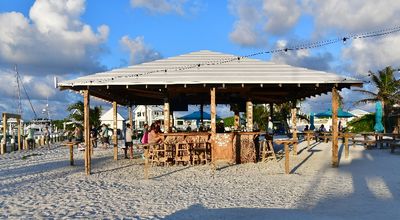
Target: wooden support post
x=213, y=110
x=237, y=120
x=4, y=141
x=19, y=134
x=346, y=145
x=294, y=127
x=86, y=130
x=286, y=147
x=171, y=121
x=308, y=133
x=146, y=118
x=249, y=115
x=335, y=105
x=166, y=117
x=71, y=153
x=146, y=162
x=130, y=116
x=115, y=138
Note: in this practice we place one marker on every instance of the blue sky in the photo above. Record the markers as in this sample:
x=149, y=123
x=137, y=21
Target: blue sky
x=70, y=38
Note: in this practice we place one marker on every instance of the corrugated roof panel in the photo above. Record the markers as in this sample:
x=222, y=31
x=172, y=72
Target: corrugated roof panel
x=245, y=70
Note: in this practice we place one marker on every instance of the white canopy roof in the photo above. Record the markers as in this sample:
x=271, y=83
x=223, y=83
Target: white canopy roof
x=215, y=68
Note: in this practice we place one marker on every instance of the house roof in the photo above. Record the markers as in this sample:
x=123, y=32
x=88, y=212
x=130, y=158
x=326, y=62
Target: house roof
x=150, y=107
x=197, y=72
x=109, y=116
x=358, y=112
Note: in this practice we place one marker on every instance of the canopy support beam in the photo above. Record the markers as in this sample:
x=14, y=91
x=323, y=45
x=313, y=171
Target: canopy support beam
x=86, y=130
x=249, y=115
x=213, y=111
x=115, y=138
x=166, y=117
x=335, y=105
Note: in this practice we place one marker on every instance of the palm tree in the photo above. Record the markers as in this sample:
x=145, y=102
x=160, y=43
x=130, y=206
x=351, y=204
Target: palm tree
x=387, y=91
x=76, y=114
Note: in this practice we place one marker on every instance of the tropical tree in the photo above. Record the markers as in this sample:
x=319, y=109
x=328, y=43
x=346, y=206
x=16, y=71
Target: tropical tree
x=76, y=113
x=387, y=91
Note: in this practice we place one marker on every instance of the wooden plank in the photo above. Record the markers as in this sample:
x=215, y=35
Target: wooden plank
x=286, y=146
x=115, y=138
x=249, y=115
x=4, y=141
x=213, y=110
x=146, y=117
x=346, y=146
x=294, y=125
x=335, y=105
x=19, y=134
x=71, y=153
x=86, y=127
x=237, y=120
x=130, y=115
x=166, y=117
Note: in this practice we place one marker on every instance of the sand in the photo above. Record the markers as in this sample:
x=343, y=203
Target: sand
x=41, y=184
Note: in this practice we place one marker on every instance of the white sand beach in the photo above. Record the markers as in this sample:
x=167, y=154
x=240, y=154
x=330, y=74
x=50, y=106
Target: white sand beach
x=44, y=185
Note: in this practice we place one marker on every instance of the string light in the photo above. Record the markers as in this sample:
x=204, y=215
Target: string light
x=304, y=46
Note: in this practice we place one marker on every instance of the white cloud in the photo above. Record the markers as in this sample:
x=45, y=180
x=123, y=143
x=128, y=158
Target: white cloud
x=282, y=15
x=161, y=6
x=352, y=16
x=139, y=51
x=303, y=58
x=53, y=38
x=247, y=31
x=373, y=54
x=258, y=19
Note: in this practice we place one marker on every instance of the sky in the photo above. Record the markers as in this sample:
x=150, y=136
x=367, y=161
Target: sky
x=71, y=38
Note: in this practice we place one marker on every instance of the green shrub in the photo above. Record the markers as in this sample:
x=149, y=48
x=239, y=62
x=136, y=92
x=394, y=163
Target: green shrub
x=364, y=124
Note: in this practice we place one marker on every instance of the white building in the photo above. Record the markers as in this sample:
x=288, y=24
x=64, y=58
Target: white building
x=108, y=119
x=154, y=113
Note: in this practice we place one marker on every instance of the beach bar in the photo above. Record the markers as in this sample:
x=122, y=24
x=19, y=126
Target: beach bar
x=210, y=78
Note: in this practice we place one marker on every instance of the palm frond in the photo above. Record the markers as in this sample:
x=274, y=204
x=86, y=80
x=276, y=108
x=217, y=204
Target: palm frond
x=365, y=101
x=365, y=91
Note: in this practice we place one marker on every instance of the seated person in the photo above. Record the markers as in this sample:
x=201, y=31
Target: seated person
x=154, y=136
x=221, y=127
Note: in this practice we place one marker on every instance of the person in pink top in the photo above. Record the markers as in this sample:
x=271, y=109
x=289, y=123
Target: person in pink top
x=145, y=138
x=154, y=136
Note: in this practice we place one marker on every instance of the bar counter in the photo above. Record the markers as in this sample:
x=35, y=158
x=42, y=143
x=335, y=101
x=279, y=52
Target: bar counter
x=232, y=147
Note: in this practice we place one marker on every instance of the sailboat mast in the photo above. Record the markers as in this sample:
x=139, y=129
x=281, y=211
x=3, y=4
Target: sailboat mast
x=19, y=109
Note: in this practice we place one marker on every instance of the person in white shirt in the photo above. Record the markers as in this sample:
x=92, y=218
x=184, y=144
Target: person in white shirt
x=128, y=141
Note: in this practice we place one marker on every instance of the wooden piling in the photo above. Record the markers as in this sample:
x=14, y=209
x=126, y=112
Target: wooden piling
x=19, y=134
x=346, y=145
x=237, y=120
x=249, y=115
x=286, y=146
x=4, y=141
x=86, y=127
x=294, y=127
x=213, y=110
x=335, y=105
x=166, y=117
x=115, y=138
